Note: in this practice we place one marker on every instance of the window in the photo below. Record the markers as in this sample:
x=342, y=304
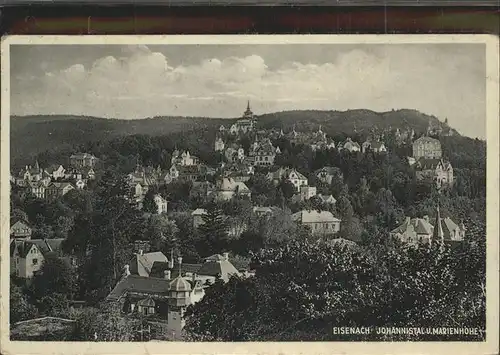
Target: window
x=35, y=261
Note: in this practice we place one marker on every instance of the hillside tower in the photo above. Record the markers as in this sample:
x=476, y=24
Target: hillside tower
x=178, y=300
x=249, y=115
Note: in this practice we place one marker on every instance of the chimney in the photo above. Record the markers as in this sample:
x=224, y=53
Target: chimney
x=167, y=274
x=194, y=277
x=171, y=261
x=127, y=270
x=407, y=219
x=426, y=218
x=226, y=256
x=141, y=252
x=179, y=260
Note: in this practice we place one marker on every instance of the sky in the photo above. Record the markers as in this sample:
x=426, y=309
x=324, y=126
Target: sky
x=130, y=82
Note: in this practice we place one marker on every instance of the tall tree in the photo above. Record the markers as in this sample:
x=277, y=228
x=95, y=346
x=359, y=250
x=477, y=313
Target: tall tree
x=162, y=233
x=148, y=204
x=214, y=231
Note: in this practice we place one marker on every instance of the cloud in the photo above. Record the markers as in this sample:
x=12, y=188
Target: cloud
x=139, y=83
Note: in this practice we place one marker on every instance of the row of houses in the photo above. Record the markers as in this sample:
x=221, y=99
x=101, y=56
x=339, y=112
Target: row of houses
x=52, y=182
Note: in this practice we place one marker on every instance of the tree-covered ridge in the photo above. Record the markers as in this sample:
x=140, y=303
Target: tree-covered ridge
x=30, y=134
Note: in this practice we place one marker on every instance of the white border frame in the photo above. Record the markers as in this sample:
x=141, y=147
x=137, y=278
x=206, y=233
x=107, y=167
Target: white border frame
x=490, y=346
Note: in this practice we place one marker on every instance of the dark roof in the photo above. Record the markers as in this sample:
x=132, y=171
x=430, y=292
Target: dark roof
x=427, y=163
x=142, y=264
x=222, y=268
x=140, y=284
x=45, y=246
x=158, y=269
x=330, y=170
x=186, y=268
x=189, y=169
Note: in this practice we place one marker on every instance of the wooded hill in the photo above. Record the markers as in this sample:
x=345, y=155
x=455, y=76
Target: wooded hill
x=31, y=135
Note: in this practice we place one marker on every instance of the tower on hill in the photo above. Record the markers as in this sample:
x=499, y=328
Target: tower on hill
x=249, y=115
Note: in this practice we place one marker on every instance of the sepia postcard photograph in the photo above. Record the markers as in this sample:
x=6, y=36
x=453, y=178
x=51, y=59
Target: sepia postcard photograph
x=250, y=194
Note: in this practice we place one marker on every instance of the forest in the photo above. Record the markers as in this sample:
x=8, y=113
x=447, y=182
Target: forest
x=303, y=285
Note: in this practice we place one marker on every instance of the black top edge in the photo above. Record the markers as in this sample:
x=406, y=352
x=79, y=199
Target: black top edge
x=333, y=3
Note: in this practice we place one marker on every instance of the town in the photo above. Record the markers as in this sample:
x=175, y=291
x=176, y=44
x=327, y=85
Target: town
x=158, y=245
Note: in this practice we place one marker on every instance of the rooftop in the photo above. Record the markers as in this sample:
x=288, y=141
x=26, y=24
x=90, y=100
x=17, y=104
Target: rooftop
x=306, y=216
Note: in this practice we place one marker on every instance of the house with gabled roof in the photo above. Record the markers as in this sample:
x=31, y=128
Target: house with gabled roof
x=419, y=230
x=264, y=153
x=184, y=158
x=374, y=146
x=37, y=188
x=218, y=266
x=55, y=171
x=439, y=171
x=320, y=222
x=27, y=256
x=290, y=174
x=227, y=187
x=57, y=190
x=328, y=199
x=142, y=263
x=161, y=203
x=351, y=146
x=80, y=160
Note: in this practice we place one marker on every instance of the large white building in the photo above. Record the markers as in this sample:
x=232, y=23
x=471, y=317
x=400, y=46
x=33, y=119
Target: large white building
x=427, y=147
x=323, y=222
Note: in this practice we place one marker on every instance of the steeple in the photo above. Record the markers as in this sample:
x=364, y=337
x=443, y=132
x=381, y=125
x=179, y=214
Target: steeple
x=248, y=105
x=438, y=234
x=37, y=166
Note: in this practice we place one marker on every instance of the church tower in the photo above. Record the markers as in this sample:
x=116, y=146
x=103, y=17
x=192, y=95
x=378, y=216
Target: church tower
x=248, y=114
x=437, y=233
